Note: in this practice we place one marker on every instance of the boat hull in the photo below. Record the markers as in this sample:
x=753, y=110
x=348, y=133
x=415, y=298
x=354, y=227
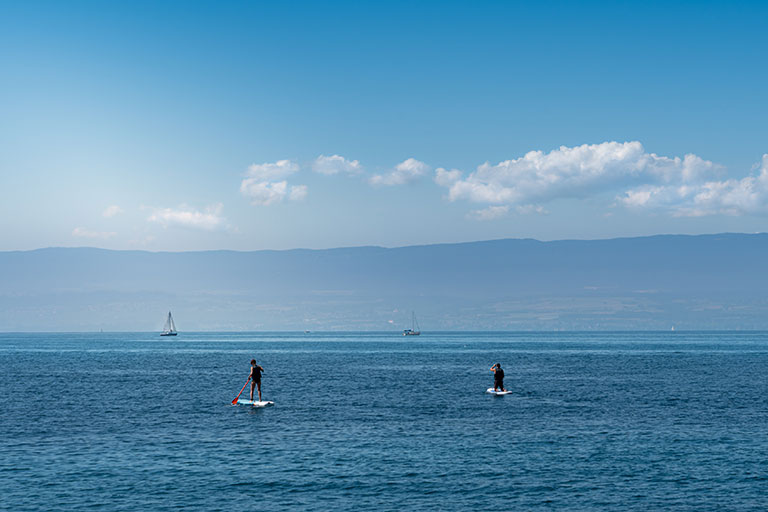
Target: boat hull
x=167, y=334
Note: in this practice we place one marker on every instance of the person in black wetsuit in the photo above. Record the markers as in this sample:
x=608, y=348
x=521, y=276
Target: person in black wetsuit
x=498, y=377
x=255, y=377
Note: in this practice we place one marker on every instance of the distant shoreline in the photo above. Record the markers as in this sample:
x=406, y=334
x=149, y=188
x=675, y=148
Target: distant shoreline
x=689, y=282
x=399, y=333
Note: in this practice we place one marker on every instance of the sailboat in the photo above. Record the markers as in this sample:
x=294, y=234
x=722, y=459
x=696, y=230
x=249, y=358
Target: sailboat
x=415, y=330
x=170, y=328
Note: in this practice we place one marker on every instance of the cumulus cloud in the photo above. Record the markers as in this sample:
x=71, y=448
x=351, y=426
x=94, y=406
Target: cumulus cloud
x=336, y=164
x=111, y=211
x=264, y=192
x=490, y=213
x=85, y=233
x=578, y=172
x=446, y=178
x=530, y=209
x=297, y=193
x=403, y=173
x=639, y=180
x=209, y=220
x=265, y=184
x=272, y=171
x=748, y=195
x=269, y=192
x=495, y=212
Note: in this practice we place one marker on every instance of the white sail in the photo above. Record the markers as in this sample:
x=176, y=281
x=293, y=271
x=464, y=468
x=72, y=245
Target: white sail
x=415, y=330
x=169, y=329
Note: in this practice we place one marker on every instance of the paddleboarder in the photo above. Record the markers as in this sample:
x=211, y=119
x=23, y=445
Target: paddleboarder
x=498, y=377
x=255, y=377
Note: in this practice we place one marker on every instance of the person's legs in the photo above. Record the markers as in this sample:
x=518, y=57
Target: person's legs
x=253, y=385
x=258, y=383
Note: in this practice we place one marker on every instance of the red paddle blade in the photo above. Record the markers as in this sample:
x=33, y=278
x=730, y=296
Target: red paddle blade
x=234, y=402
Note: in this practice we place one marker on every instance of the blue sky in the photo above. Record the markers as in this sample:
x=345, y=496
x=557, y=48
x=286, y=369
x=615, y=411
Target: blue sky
x=256, y=125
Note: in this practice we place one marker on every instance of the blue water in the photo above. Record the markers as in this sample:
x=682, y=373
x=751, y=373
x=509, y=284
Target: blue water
x=611, y=421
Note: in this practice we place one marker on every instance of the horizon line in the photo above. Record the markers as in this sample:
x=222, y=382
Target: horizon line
x=727, y=233
x=399, y=331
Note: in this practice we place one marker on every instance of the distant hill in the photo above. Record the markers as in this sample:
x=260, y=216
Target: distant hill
x=690, y=282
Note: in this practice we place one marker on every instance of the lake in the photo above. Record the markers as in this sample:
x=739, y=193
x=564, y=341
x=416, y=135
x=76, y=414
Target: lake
x=378, y=421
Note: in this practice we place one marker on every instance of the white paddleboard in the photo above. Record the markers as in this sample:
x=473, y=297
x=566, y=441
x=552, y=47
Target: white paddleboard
x=497, y=393
x=255, y=403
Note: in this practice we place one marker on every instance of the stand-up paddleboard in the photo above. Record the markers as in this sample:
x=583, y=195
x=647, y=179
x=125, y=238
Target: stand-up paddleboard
x=492, y=391
x=255, y=403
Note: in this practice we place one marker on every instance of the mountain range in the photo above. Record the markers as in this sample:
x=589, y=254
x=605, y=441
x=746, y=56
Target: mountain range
x=659, y=282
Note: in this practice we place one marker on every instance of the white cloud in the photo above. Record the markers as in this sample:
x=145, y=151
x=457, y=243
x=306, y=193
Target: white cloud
x=297, y=193
x=335, y=164
x=270, y=192
x=209, y=220
x=490, y=213
x=272, y=171
x=748, y=195
x=446, y=178
x=264, y=192
x=687, y=186
x=530, y=209
x=495, y=212
x=111, y=211
x=578, y=172
x=264, y=184
x=85, y=233
x=404, y=172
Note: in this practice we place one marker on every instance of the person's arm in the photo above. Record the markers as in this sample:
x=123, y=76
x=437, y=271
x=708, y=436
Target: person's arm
x=262, y=369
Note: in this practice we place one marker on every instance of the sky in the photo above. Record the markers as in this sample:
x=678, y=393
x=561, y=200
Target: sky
x=176, y=126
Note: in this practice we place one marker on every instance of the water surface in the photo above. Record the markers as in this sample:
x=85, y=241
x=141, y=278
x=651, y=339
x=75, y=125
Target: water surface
x=630, y=421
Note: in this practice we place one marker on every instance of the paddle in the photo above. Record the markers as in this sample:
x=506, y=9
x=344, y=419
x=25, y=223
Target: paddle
x=234, y=402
